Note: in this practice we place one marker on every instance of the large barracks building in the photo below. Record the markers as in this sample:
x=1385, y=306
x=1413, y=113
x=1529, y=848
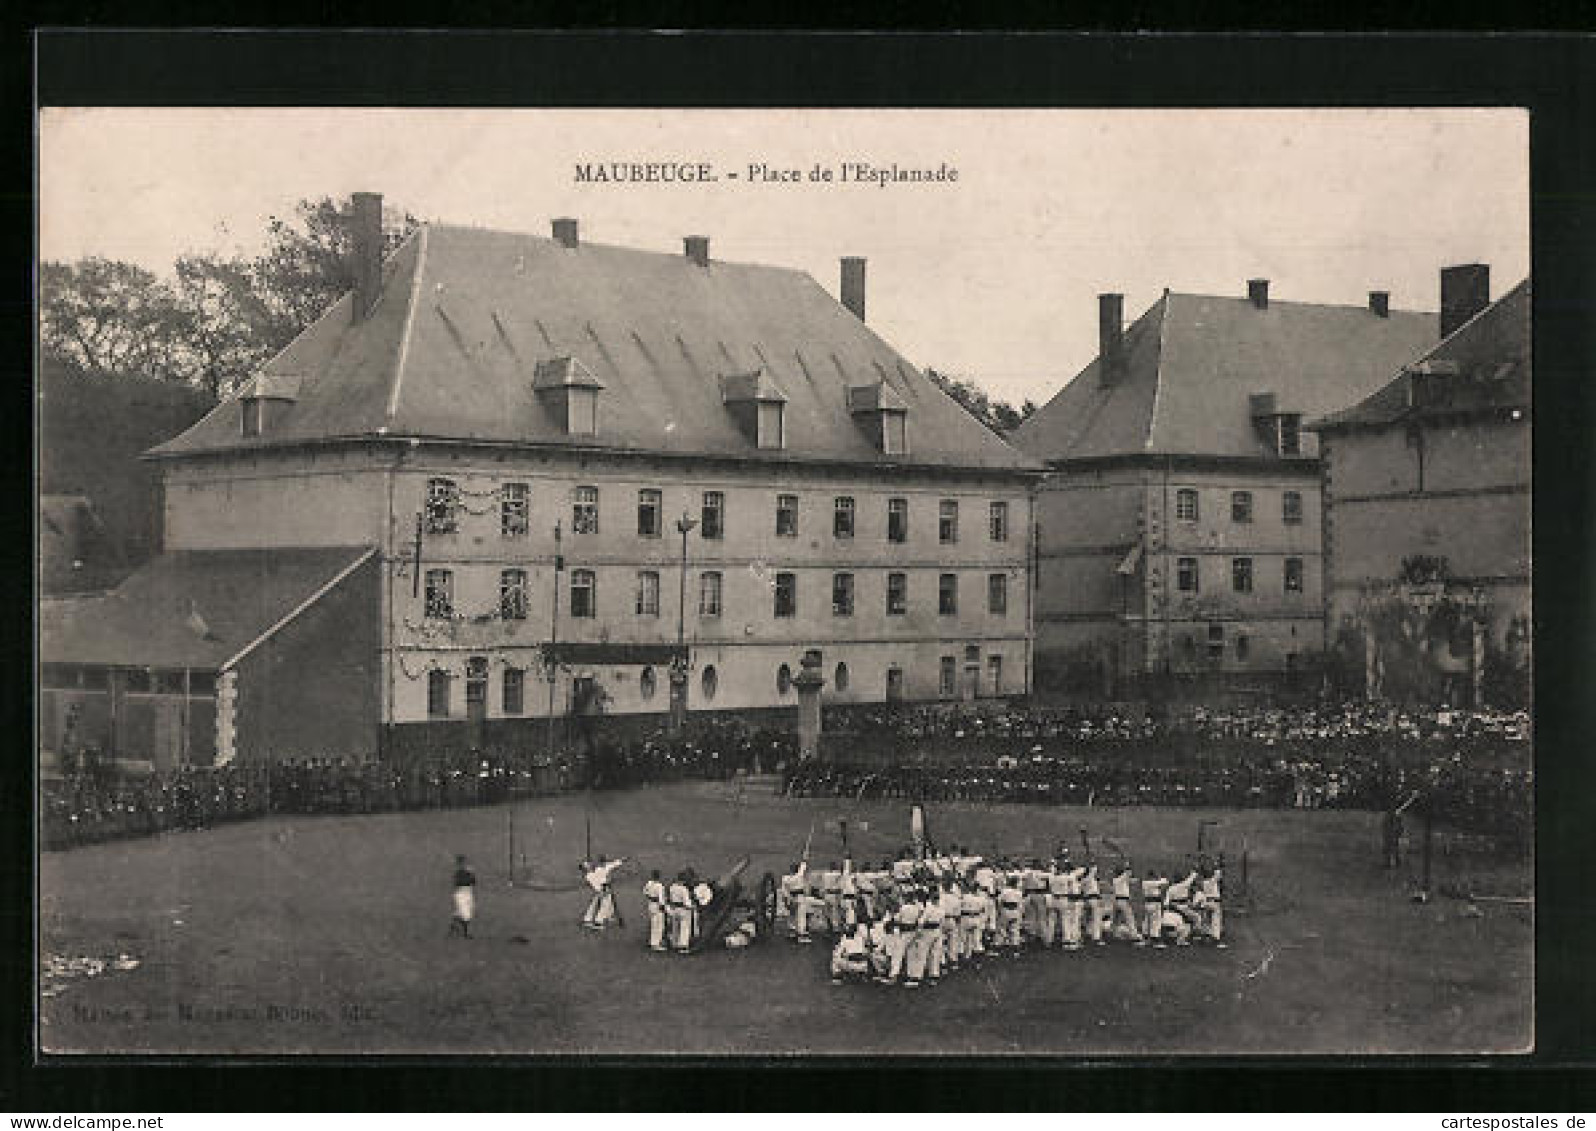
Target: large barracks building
x=1179, y=527
x=501, y=450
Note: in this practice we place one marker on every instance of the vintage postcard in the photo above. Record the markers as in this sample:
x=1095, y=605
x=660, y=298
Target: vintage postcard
x=784, y=582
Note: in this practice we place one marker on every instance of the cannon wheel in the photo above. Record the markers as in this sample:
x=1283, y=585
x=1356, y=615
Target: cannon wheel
x=766, y=907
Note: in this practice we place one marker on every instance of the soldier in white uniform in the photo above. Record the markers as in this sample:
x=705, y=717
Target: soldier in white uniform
x=1073, y=907
x=600, y=911
x=654, y=895
x=1178, y=912
x=906, y=922
x=679, y=907
x=1033, y=881
x=926, y=953
x=1212, y=907
x=703, y=896
x=791, y=884
x=1153, y=888
x=1011, y=906
x=952, y=923
x=972, y=914
x=850, y=959
x=1092, y=889
x=1124, y=925
x=1057, y=896
x=986, y=882
x=830, y=882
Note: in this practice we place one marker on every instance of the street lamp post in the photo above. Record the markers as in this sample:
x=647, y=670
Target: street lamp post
x=685, y=525
x=552, y=667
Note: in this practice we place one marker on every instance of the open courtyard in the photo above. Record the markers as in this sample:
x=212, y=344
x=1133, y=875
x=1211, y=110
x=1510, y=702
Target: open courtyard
x=330, y=935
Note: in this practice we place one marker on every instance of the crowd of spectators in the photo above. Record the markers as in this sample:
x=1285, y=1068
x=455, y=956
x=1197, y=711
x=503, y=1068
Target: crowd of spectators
x=1470, y=770
x=92, y=802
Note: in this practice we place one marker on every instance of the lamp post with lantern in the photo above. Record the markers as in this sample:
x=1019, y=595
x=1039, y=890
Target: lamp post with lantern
x=679, y=665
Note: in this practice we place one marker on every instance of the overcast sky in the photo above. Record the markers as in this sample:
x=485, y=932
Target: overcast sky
x=993, y=276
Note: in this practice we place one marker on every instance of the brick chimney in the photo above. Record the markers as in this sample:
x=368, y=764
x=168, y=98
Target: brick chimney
x=1465, y=291
x=565, y=232
x=852, y=286
x=1380, y=303
x=365, y=240
x=1110, y=338
x=696, y=248
x=1258, y=293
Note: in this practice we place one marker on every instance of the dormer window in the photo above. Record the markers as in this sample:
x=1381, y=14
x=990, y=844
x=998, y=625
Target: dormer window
x=758, y=406
x=883, y=416
x=571, y=392
x=263, y=401
x=1282, y=431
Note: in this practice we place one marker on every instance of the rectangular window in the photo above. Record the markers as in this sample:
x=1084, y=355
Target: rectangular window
x=584, y=594
x=1186, y=574
x=647, y=593
x=948, y=594
x=1186, y=504
x=512, y=594
x=709, y=594
x=514, y=510
x=786, y=594
x=842, y=517
x=1243, y=648
x=786, y=516
x=994, y=674
x=443, y=504
x=842, y=594
x=897, y=520
x=440, y=594
x=202, y=683
x=897, y=594
x=437, y=694
x=714, y=515
x=477, y=682
x=997, y=594
x=998, y=522
x=1241, y=506
x=650, y=505
x=1293, y=576
x=948, y=683
x=1291, y=508
x=1241, y=575
x=1216, y=642
x=948, y=521
x=514, y=691
x=584, y=510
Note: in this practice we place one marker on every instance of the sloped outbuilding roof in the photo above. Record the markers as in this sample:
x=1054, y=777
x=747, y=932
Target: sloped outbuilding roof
x=466, y=317
x=1194, y=362
x=192, y=609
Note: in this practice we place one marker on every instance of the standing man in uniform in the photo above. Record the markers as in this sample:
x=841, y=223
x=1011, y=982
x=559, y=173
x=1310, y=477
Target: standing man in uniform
x=600, y=911
x=1124, y=924
x=654, y=893
x=465, y=899
x=680, y=910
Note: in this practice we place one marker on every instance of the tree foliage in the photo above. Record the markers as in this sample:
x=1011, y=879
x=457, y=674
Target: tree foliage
x=219, y=317
x=1000, y=416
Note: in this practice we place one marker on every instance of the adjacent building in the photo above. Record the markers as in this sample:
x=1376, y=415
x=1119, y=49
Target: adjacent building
x=503, y=456
x=1179, y=525
x=1427, y=503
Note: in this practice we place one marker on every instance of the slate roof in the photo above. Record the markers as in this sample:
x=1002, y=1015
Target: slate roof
x=1491, y=355
x=150, y=619
x=465, y=317
x=1193, y=361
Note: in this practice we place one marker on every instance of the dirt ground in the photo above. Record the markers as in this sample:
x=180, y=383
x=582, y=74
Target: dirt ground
x=329, y=934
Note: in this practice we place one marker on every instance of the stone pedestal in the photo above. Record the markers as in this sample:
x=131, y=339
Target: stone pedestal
x=809, y=681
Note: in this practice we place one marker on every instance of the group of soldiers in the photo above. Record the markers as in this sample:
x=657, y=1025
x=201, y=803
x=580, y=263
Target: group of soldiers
x=913, y=920
x=713, y=750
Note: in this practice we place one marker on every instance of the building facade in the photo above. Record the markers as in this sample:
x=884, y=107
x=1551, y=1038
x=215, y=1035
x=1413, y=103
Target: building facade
x=1427, y=489
x=617, y=466
x=1179, y=534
